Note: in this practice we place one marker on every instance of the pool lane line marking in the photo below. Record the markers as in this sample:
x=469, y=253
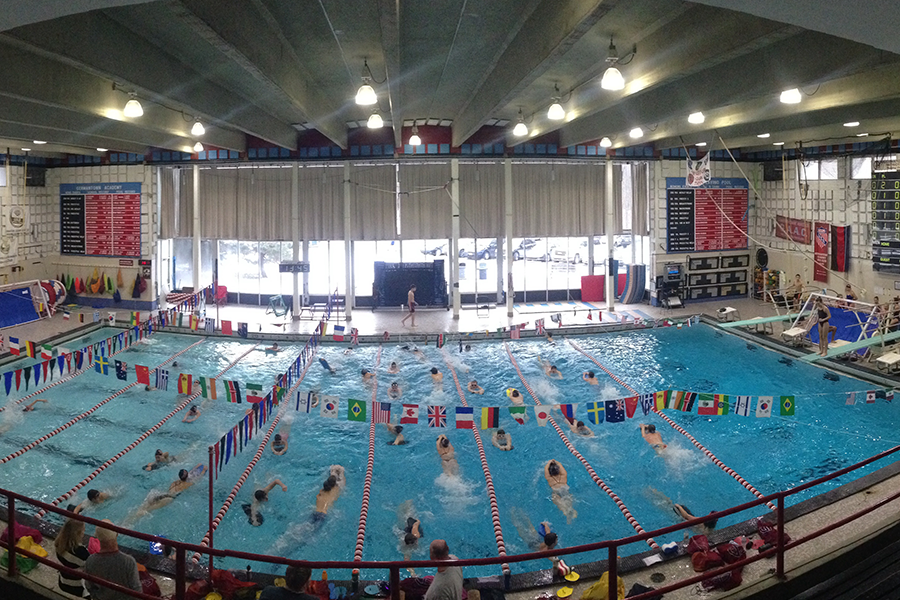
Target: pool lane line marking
x=259, y=452
x=679, y=429
x=140, y=439
x=370, y=466
x=489, y=480
x=88, y=412
x=624, y=509
x=70, y=377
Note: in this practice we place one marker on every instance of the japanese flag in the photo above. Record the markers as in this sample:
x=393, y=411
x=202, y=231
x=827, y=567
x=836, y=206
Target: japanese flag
x=542, y=413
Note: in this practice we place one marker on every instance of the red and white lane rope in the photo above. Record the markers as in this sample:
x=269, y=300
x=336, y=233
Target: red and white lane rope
x=140, y=439
x=259, y=452
x=86, y=413
x=681, y=430
x=624, y=509
x=370, y=466
x=492, y=496
x=70, y=377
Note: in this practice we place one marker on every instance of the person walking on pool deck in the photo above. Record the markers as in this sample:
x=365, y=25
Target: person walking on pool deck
x=411, y=302
x=448, y=583
x=111, y=564
x=558, y=480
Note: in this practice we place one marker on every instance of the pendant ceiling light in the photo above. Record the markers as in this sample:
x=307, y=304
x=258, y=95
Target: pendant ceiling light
x=365, y=95
x=414, y=139
x=791, y=96
x=556, y=112
x=133, y=108
x=198, y=147
x=520, y=129
x=198, y=129
x=375, y=121
x=612, y=78
x=605, y=142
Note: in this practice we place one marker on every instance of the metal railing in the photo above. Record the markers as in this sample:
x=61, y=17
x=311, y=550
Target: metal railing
x=394, y=567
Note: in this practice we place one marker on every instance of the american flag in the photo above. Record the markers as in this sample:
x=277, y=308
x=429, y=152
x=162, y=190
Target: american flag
x=381, y=412
x=514, y=333
x=437, y=416
x=210, y=325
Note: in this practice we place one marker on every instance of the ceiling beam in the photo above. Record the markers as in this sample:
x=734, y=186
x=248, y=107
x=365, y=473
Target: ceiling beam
x=389, y=11
x=547, y=34
x=248, y=34
x=95, y=43
x=813, y=58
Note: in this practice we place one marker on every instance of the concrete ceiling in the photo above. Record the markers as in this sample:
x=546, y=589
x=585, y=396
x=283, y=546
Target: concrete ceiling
x=262, y=68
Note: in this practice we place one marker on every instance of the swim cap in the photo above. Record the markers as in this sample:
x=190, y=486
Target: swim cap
x=509, y=392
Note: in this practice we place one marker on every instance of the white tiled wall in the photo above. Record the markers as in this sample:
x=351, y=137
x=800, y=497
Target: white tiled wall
x=30, y=246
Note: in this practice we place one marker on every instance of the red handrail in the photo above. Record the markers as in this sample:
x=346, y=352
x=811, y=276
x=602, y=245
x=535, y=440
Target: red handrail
x=612, y=545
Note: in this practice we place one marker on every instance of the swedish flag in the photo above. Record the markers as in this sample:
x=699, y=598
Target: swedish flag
x=596, y=412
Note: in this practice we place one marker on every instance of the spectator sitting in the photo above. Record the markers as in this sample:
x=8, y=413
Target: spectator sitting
x=448, y=583
x=71, y=552
x=113, y=565
x=295, y=580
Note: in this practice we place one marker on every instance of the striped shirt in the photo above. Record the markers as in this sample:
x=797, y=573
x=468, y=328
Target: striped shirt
x=74, y=559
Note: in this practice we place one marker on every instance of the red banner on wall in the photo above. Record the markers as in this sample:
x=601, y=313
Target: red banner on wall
x=797, y=230
x=820, y=269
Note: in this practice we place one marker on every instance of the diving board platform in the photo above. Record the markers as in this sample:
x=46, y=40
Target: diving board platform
x=761, y=320
x=844, y=348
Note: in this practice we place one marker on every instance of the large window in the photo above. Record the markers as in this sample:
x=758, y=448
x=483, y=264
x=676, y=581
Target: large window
x=861, y=168
x=183, y=256
x=252, y=267
x=478, y=267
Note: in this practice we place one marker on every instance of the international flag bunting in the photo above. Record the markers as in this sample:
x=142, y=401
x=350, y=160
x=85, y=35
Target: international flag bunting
x=519, y=414
x=662, y=399
x=851, y=398
x=143, y=374
x=46, y=352
x=210, y=325
x=356, y=410
x=185, y=384
x=410, y=414
x=7, y=381
x=706, y=404
x=685, y=402
x=111, y=317
x=338, y=334
x=305, y=401
x=135, y=318
x=37, y=373
x=208, y=387
x=490, y=417
x=437, y=416
x=646, y=403
x=514, y=333
x=66, y=315
x=226, y=328
x=539, y=326
x=242, y=330
x=254, y=393
x=742, y=405
x=440, y=340
x=14, y=346
x=354, y=336
x=723, y=406
x=596, y=412
x=381, y=412
x=631, y=406
x=195, y=322
x=615, y=411
x=30, y=349
x=27, y=371
x=179, y=320
x=568, y=411
x=542, y=413
x=96, y=316
x=787, y=406
x=162, y=379
x=889, y=395
x=764, y=406
x=101, y=365
x=121, y=370
x=464, y=417
x=328, y=407
x=870, y=397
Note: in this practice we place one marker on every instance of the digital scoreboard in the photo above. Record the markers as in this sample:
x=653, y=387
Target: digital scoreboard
x=886, y=221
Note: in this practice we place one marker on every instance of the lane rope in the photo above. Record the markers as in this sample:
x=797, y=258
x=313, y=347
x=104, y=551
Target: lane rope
x=681, y=430
x=259, y=452
x=370, y=466
x=624, y=509
x=140, y=439
x=88, y=412
x=489, y=480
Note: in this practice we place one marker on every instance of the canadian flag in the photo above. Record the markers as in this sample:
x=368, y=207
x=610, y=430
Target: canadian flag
x=410, y=415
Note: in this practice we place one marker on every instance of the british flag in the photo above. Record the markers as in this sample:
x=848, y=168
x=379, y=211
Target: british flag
x=354, y=336
x=539, y=325
x=437, y=416
x=381, y=412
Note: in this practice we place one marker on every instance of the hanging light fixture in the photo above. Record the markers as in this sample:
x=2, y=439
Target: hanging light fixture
x=102, y=149
x=556, y=112
x=605, y=142
x=198, y=147
x=612, y=77
x=414, y=139
x=636, y=133
x=133, y=108
x=520, y=129
x=791, y=96
x=375, y=121
x=198, y=129
x=365, y=95
x=696, y=118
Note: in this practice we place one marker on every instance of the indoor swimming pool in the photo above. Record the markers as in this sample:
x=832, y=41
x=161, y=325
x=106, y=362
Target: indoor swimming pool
x=772, y=454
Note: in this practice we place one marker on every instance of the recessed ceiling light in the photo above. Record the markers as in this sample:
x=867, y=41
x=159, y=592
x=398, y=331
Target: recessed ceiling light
x=696, y=118
x=791, y=96
x=778, y=144
x=701, y=144
x=636, y=132
x=852, y=124
x=762, y=135
x=38, y=142
x=26, y=149
x=102, y=150
x=861, y=134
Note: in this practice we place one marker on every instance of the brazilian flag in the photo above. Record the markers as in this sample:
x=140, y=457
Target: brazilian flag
x=356, y=411
x=787, y=406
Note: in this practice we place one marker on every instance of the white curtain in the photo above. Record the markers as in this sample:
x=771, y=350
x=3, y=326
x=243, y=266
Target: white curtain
x=481, y=199
x=640, y=211
x=558, y=199
x=373, y=197
x=425, y=201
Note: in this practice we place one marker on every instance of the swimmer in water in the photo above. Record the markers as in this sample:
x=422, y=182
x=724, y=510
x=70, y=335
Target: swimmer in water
x=590, y=377
x=652, y=437
x=685, y=514
x=367, y=376
x=436, y=376
x=474, y=388
x=331, y=490
x=273, y=349
x=254, y=516
x=279, y=444
x=558, y=480
x=174, y=363
x=94, y=497
x=394, y=391
x=418, y=354
x=448, y=456
x=502, y=440
x=412, y=531
x=160, y=459
x=326, y=366
x=550, y=339
x=397, y=431
x=192, y=415
x=579, y=428
x=30, y=407
x=515, y=397
x=394, y=368
x=149, y=388
x=468, y=348
x=539, y=539
x=349, y=350
x=156, y=500
x=549, y=370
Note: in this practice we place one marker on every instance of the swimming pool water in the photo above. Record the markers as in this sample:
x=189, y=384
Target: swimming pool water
x=825, y=435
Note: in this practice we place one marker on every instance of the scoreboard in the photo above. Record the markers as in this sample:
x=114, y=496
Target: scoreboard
x=886, y=221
